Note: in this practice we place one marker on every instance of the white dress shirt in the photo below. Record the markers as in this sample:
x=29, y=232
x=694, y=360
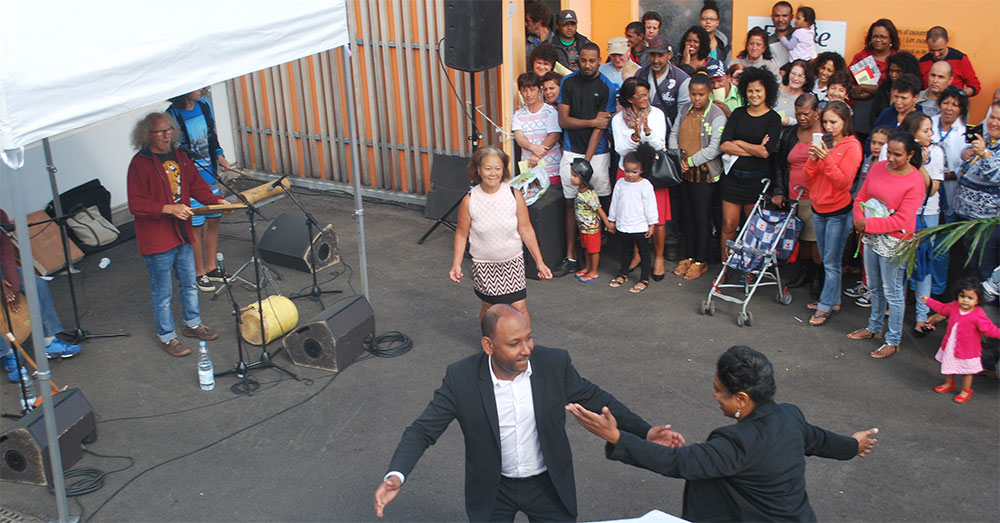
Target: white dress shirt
x=520, y=449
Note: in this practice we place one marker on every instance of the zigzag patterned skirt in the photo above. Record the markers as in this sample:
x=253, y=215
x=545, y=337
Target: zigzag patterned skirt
x=500, y=282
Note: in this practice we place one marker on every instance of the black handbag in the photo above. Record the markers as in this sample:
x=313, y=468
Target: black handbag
x=665, y=170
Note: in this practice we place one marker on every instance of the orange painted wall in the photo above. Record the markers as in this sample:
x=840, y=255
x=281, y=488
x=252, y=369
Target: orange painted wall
x=608, y=20
x=972, y=26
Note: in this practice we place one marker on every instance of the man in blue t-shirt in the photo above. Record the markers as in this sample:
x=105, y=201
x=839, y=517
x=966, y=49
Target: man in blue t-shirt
x=199, y=140
x=587, y=99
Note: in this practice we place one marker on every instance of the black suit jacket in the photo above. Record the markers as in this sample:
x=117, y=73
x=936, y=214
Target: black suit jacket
x=753, y=470
x=466, y=394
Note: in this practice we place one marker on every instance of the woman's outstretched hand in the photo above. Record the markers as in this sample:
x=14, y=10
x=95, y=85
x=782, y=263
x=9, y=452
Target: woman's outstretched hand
x=865, y=441
x=602, y=425
x=661, y=434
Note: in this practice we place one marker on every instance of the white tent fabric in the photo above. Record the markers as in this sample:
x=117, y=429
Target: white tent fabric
x=65, y=64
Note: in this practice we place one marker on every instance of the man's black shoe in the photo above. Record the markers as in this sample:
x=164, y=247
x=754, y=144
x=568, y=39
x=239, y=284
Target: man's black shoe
x=566, y=266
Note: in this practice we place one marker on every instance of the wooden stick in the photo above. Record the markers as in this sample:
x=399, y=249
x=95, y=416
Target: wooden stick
x=24, y=355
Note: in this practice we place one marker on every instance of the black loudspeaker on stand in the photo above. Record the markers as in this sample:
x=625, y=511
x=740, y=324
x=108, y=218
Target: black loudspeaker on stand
x=335, y=337
x=286, y=243
x=25, y=449
x=473, y=34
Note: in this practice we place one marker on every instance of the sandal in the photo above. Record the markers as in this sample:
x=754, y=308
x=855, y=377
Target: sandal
x=864, y=334
x=963, y=396
x=618, y=281
x=814, y=306
x=636, y=289
x=947, y=387
x=819, y=318
x=588, y=279
x=697, y=270
x=921, y=329
x=683, y=266
x=884, y=351
x=579, y=274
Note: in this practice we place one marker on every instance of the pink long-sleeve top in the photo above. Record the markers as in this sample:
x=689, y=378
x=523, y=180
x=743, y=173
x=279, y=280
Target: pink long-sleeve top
x=830, y=179
x=971, y=327
x=904, y=194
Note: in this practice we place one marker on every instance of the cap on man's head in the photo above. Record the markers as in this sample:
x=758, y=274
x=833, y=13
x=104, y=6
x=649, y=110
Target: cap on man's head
x=660, y=45
x=714, y=68
x=566, y=16
x=618, y=45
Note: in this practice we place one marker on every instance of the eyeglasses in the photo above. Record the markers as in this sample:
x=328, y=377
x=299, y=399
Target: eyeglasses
x=796, y=74
x=161, y=132
x=709, y=19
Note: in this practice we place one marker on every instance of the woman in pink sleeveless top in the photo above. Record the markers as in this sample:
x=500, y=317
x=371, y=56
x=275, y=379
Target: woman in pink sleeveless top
x=493, y=221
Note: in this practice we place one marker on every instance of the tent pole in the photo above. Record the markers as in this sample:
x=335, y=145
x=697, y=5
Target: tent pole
x=359, y=210
x=38, y=340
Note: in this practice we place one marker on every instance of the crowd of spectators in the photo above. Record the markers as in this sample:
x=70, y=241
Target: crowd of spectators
x=743, y=116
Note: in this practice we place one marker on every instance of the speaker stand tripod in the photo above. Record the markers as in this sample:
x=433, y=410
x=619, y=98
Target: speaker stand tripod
x=315, y=292
x=248, y=385
x=474, y=137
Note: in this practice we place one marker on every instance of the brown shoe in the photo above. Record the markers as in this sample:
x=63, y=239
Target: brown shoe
x=174, y=348
x=202, y=332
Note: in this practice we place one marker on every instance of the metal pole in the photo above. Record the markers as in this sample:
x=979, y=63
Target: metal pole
x=37, y=333
x=359, y=210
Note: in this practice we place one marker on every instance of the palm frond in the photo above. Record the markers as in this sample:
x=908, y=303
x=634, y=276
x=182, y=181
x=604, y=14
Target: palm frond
x=945, y=236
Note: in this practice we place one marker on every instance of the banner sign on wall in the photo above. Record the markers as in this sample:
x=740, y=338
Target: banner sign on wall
x=830, y=35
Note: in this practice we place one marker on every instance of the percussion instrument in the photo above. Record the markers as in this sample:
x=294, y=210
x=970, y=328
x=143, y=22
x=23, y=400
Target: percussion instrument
x=280, y=317
x=20, y=319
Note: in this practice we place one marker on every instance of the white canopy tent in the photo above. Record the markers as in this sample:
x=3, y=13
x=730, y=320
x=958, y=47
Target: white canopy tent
x=65, y=65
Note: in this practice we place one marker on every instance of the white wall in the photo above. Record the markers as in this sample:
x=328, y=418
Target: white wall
x=99, y=151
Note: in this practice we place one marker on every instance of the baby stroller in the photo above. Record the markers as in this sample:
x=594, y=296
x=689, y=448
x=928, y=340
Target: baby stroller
x=769, y=236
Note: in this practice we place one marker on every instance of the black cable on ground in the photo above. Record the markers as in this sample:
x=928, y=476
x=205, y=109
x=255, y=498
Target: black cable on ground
x=387, y=345
x=84, y=480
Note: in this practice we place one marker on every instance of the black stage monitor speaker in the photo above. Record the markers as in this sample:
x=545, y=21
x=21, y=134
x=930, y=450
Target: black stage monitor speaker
x=448, y=184
x=285, y=242
x=473, y=34
x=25, y=451
x=335, y=337
x=548, y=217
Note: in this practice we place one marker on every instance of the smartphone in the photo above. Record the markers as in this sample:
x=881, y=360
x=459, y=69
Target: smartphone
x=818, y=139
x=828, y=140
x=971, y=131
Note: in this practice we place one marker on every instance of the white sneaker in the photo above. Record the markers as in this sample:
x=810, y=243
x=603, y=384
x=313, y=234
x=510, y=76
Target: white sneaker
x=857, y=291
x=864, y=301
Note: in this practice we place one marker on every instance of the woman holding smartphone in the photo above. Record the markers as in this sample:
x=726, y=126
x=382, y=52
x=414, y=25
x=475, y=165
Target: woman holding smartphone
x=830, y=170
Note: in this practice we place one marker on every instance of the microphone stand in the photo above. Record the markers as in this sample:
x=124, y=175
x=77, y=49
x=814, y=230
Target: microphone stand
x=315, y=292
x=79, y=334
x=265, y=362
x=248, y=385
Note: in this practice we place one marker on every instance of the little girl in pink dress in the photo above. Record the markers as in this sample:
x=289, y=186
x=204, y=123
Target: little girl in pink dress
x=961, y=350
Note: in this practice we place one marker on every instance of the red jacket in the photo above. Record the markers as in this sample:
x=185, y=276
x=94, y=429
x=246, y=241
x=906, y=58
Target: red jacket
x=830, y=179
x=8, y=258
x=149, y=191
x=962, y=75
x=971, y=328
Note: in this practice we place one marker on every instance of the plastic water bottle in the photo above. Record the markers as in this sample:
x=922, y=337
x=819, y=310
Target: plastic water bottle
x=29, y=390
x=206, y=372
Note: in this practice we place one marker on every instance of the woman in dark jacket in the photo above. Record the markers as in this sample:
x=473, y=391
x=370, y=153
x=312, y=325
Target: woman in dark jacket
x=789, y=165
x=753, y=470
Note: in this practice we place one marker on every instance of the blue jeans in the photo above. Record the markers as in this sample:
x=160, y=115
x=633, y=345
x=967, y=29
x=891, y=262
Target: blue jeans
x=923, y=287
x=180, y=262
x=885, y=279
x=50, y=319
x=831, y=236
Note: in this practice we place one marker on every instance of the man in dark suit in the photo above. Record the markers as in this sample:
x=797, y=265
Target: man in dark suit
x=510, y=402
